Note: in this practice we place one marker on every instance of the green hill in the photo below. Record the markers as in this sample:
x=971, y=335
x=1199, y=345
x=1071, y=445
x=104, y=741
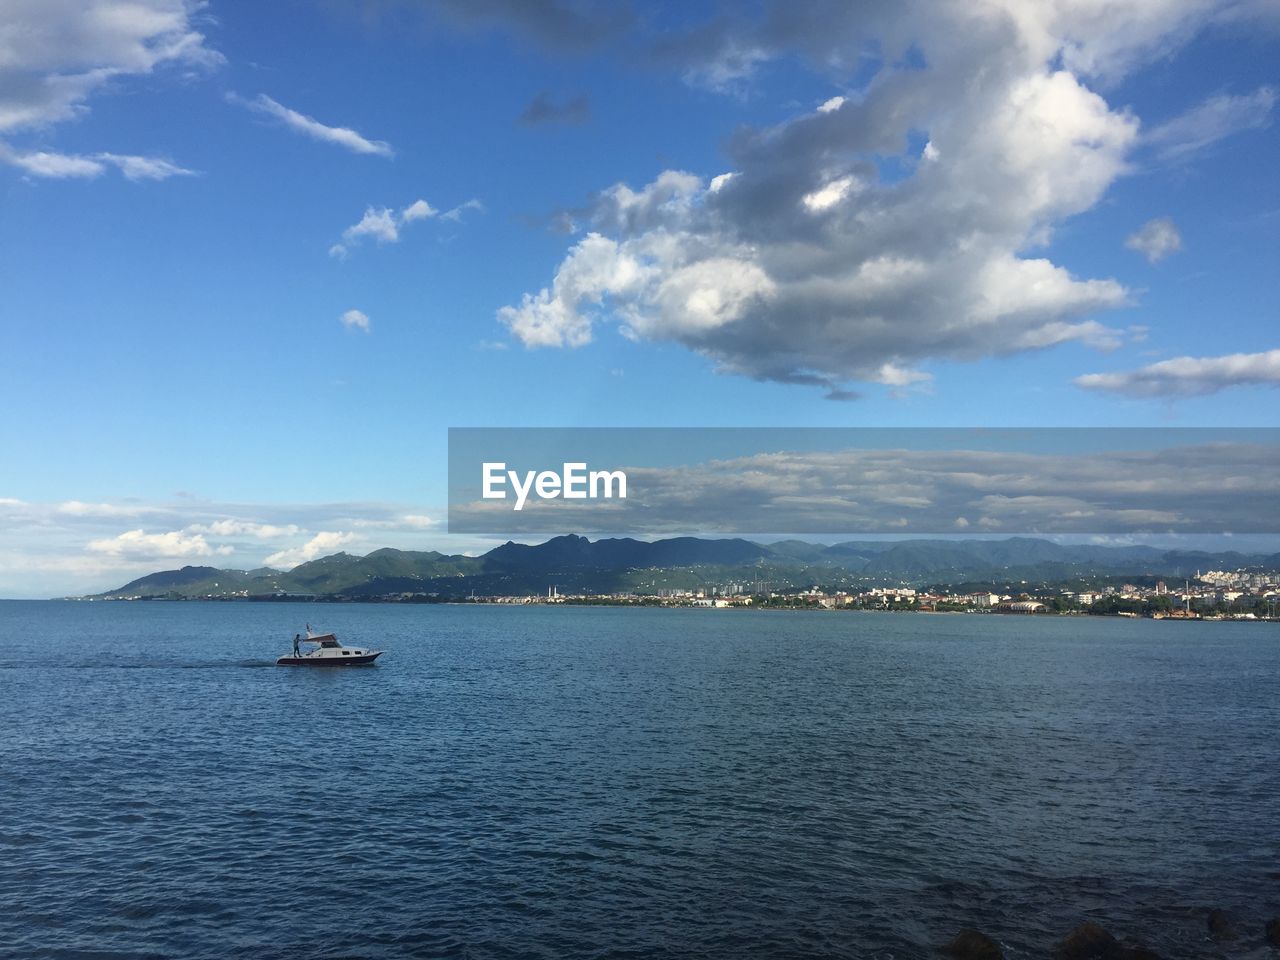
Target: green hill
x=621, y=565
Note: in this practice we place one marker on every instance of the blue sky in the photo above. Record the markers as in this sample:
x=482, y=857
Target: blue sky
x=174, y=178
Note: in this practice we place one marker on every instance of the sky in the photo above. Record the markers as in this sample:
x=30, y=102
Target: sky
x=256, y=259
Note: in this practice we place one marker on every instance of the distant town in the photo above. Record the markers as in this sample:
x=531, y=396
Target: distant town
x=1211, y=595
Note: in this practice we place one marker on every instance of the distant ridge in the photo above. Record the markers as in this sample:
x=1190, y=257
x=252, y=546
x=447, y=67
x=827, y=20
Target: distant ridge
x=575, y=564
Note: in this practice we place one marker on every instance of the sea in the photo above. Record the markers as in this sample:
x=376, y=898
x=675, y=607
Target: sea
x=591, y=782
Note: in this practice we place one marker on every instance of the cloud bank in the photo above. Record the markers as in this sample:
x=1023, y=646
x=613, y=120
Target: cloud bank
x=80, y=546
x=1205, y=488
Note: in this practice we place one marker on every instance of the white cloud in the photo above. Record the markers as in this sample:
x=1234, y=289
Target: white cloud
x=717, y=182
x=320, y=545
x=54, y=54
x=234, y=528
x=309, y=126
x=405, y=523
x=1155, y=239
x=455, y=214
x=53, y=166
x=377, y=223
x=828, y=195
x=145, y=168
x=667, y=202
x=60, y=166
x=1190, y=376
x=895, y=376
x=355, y=320
x=140, y=545
x=1213, y=120
x=384, y=224
x=418, y=210
x=43, y=545
x=555, y=317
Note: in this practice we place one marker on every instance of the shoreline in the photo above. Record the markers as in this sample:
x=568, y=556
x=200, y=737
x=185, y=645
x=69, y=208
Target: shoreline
x=652, y=604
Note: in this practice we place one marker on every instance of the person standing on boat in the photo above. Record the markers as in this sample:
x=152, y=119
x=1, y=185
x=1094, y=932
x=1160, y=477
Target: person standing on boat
x=297, y=638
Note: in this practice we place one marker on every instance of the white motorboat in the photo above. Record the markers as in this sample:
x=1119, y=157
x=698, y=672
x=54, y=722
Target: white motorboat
x=324, y=650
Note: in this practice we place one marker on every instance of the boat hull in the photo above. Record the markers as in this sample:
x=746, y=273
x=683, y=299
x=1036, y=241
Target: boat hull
x=360, y=660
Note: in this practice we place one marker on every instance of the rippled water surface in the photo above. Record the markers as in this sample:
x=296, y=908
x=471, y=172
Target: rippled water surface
x=591, y=782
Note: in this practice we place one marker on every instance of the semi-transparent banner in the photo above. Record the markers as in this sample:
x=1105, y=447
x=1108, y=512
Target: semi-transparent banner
x=672, y=481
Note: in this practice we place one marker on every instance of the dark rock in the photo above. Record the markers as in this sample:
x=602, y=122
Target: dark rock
x=1090, y=942
x=1220, y=927
x=972, y=945
x=1273, y=932
x=1087, y=942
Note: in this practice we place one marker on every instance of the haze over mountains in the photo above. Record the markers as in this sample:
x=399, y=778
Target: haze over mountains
x=575, y=564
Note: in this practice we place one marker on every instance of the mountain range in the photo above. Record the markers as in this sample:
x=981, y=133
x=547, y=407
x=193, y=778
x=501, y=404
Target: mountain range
x=575, y=564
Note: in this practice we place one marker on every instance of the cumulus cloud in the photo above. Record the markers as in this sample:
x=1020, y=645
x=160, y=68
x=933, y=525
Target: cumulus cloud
x=544, y=111
x=380, y=224
x=173, y=545
x=418, y=210
x=1155, y=239
x=1208, y=122
x=1190, y=376
x=308, y=126
x=355, y=320
x=322, y=543
x=809, y=266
